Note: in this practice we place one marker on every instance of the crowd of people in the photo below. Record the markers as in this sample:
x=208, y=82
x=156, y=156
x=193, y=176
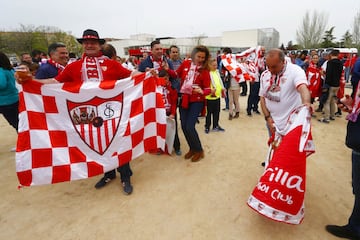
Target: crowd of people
x=195, y=85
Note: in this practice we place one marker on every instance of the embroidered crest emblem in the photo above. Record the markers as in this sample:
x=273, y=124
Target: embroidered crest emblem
x=97, y=120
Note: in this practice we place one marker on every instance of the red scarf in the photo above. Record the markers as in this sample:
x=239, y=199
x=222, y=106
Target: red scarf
x=58, y=66
x=157, y=64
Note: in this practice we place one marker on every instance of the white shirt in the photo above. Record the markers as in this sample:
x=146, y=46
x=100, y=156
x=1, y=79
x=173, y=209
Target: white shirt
x=290, y=98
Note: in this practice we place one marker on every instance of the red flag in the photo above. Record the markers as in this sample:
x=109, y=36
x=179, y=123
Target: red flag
x=67, y=135
x=279, y=194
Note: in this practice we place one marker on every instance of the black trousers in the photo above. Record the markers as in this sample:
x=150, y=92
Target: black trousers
x=253, y=99
x=212, y=109
x=244, y=88
x=124, y=170
x=11, y=114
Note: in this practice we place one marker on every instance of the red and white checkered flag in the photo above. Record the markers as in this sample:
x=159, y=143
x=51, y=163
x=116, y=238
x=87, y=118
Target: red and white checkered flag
x=73, y=131
x=235, y=68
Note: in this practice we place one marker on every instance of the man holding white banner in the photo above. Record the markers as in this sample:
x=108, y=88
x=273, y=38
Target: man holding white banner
x=95, y=67
x=285, y=102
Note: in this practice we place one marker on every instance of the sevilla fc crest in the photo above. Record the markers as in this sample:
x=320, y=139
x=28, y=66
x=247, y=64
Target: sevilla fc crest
x=97, y=120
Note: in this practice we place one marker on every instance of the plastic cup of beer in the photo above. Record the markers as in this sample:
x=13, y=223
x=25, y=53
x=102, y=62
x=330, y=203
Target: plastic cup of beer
x=23, y=73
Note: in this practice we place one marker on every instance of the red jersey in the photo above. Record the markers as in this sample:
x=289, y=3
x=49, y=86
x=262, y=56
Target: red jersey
x=170, y=97
x=110, y=70
x=313, y=74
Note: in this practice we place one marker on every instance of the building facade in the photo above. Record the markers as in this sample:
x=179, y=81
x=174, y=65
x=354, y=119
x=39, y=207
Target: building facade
x=237, y=40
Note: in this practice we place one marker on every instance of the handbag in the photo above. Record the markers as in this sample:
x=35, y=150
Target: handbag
x=353, y=135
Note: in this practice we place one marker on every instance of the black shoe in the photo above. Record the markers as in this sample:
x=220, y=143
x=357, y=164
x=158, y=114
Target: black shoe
x=263, y=164
x=127, y=188
x=332, y=118
x=218, y=129
x=178, y=152
x=338, y=114
x=249, y=114
x=324, y=120
x=103, y=181
x=207, y=130
x=257, y=112
x=342, y=231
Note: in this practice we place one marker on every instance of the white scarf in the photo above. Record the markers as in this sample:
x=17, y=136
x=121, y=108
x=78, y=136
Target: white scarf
x=187, y=86
x=91, y=69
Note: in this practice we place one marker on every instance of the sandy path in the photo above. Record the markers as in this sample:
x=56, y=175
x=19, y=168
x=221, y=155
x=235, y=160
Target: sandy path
x=176, y=199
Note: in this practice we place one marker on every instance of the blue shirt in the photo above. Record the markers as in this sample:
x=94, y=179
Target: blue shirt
x=8, y=91
x=45, y=71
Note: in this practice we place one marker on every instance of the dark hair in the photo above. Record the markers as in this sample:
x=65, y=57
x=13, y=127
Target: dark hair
x=52, y=47
x=154, y=43
x=335, y=52
x=227, y=50
x=35, y=52
x=203, y=49
x=24, y=53
x=173, y=46
x=72, y=55
x=109, y=50
x=5, y=62
x=33, y=67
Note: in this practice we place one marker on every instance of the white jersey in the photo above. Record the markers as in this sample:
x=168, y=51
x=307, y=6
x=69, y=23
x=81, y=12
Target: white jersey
x=288, y=97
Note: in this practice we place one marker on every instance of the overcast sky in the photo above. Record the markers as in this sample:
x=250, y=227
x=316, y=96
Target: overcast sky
x=182, y=18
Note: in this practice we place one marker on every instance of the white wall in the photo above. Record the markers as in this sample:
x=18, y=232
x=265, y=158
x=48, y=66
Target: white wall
x=240, y=39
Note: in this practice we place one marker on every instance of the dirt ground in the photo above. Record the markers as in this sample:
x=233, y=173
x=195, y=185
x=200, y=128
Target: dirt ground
x=175, y=199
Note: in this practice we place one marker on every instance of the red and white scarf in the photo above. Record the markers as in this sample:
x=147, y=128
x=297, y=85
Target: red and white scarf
x=58, y=66
x=91, y=68
x=157, y=64
x=191, y=75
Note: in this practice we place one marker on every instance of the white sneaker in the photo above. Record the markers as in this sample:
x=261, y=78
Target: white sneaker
x=13, y=149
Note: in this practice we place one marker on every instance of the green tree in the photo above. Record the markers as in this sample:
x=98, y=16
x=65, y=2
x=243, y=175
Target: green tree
x=310, y=32
x=346, y=40
x=29, y=37
x=328, y=39
x=356, y=31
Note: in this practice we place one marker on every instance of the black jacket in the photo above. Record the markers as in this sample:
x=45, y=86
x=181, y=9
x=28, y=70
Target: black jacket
x=334, y=69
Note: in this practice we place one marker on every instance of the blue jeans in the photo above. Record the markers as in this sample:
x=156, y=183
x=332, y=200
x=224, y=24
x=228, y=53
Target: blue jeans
x=188, y=118
x=354, y=220
x=227, y=99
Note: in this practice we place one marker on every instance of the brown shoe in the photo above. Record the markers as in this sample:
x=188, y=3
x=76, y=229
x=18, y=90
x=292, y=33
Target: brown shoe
x=197, y=156
x=236, y=115
x=230, y=116
x=189, y=154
